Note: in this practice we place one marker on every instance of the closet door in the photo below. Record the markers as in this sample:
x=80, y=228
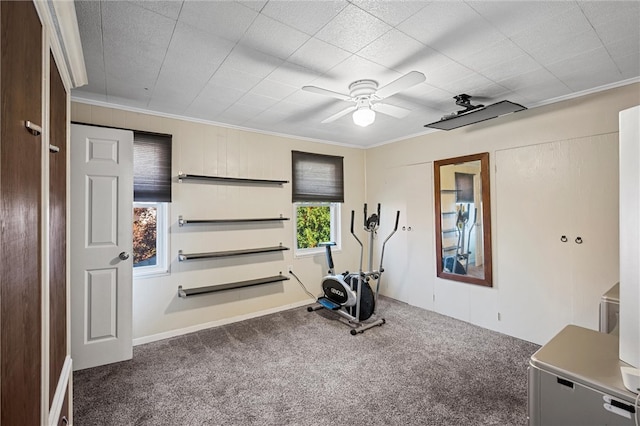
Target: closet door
x=544, y=193
x=409, y=261
x=595, y=215
x=57, y=229
x=20, y=195
x=534, y=264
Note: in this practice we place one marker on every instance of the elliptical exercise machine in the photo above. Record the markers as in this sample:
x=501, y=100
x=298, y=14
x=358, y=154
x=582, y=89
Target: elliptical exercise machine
x=350, y=294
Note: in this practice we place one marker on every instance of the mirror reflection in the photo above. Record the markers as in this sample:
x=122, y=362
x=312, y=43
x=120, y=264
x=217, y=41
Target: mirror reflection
x=462, y=219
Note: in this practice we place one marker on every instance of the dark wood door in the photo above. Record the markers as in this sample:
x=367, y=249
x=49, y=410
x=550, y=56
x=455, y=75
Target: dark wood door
x=20, y=212
x=57, y=228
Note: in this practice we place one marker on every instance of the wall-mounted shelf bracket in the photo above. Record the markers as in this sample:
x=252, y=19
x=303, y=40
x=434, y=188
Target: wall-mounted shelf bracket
x=184, y=293
x=224, y=179
x=228, y=253
x=182, y=221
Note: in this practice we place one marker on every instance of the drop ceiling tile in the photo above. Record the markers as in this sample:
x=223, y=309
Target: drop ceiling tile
x=206, y=109
x=629, y=65
x=89, y=25
x=97, y=81
x=352, y=29
x=227, y=76
x=129, y=30
x=471, y=84
x=253, y=100
x=590, y=69
x=452, y=28
x=395, y=50
x=513, y=66
x=604, y=12
x=170, y=103
x=264, y=30
x=273, y=89
x=451, y=72
x=305, y=16
x=391, y=12
x=225, y=19
x=192, y=58
x=489, y=56
x=293, y=75
x=252, y=61
x=256, y=5
x=540, y=78
x=170, y=9
x=129, y=95
x=542, y=92
x=266, y=119
x=238, y=114
x=136, y=72
x=514, y=17
x=352, y=69
x=318, y=55
x=225, y=96
x=557, y=49
x=627, y=26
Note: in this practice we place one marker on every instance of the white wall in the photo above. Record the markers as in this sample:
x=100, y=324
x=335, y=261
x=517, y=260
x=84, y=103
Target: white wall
x=584, y=117
x=207, y=149
x=204, y=149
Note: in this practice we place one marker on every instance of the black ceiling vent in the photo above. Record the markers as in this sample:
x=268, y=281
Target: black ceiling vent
x=473, y=113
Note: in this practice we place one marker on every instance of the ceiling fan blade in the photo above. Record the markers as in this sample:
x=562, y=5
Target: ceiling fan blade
x=392, y=110
x=337, y=115
x=402, y=83
x=325, y=92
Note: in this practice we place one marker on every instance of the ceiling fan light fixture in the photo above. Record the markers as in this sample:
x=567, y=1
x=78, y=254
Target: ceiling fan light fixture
x=364, y=116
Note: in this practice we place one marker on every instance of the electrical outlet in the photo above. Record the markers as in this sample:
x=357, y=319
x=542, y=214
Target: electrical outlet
x=499, y=318
x=290, y=268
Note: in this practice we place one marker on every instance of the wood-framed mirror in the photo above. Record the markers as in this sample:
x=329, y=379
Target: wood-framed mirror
x=463, y=219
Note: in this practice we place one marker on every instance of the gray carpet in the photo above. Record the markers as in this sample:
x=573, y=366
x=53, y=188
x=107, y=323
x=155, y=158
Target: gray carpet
x=300, y=368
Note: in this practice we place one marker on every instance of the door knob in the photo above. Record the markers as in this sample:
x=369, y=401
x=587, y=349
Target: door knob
x=124, y=255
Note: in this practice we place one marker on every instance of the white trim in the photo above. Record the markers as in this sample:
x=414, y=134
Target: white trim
x=202, y=121
x=60, y=21
x=69, y=34
x=414, y=135
x=536, y=105
x=45, y=308
x=61, y=391
x=217, y=323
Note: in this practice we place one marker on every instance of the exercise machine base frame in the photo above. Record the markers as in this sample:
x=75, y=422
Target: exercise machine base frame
x=357, y=327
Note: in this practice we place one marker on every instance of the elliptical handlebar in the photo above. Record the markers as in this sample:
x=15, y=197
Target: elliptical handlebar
x=395, y=228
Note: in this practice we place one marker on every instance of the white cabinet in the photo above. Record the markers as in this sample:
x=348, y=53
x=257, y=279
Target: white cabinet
x=409, y=256
x=557, y=236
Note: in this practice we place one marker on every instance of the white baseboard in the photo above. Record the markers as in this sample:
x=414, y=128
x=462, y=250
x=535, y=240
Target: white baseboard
x=203, y=326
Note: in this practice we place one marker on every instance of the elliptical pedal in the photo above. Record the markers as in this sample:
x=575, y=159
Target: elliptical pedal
x=328, y=304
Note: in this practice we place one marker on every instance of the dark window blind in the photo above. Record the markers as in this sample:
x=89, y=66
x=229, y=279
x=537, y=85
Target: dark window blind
x=317, y=177
x=151, y=167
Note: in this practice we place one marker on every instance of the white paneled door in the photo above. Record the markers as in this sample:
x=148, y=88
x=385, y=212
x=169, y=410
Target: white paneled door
x=101, y=245
x=557, y=239
x=409, y=269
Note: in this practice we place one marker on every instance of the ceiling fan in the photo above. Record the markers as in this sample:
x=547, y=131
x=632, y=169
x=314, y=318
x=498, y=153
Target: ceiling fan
x=366, y=97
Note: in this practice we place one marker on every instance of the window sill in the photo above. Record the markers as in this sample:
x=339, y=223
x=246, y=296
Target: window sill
x=321, y=251
x=150, y=274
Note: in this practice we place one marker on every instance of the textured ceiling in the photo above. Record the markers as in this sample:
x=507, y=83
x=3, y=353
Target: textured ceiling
x=243, y=63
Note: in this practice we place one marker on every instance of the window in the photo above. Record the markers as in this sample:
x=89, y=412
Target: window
x=316, y=223
x=317, y=191
x=149, y=238
x=151, y=195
